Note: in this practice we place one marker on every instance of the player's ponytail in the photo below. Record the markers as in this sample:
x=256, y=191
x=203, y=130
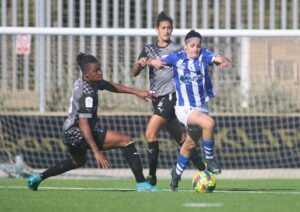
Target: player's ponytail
x=162, y=16
x=84, y=59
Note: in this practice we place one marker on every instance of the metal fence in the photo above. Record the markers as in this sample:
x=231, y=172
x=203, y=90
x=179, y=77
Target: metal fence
x=51, y=65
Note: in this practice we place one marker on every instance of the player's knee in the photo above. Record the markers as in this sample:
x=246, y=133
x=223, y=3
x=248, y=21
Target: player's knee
x=126, y=140
x=210, y=124
x=150, y=135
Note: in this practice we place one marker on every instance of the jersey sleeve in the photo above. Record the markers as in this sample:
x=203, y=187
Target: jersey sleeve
x=103, y=85
x=86, y=103
x=209, y=56
x=170, y=59
x=143, y=53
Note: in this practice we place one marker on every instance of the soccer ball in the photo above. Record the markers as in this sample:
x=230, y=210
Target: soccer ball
x=204, y=182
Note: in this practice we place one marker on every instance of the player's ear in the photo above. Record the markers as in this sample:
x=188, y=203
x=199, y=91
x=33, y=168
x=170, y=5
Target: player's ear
x=156, y=29
x=86, y=74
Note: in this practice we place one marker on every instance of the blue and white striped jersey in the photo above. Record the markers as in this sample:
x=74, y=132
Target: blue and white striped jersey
x=191, y=77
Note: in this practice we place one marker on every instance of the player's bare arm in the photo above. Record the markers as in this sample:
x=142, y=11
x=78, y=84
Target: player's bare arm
x=87, y=134
x=139, y=66
x=118, y=88
x=222, y=62
x=156, y=63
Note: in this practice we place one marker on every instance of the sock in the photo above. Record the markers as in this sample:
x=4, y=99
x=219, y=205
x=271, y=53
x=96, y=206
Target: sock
x=59, y=168
x=208, y=146
x=134, y=161
x=182, y=163
x=153, y=149
x=196, y=159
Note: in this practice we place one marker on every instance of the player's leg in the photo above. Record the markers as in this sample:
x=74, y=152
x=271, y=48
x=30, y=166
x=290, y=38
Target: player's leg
x=175, y=129
x=78, y=159
x=207, y=124
x=183, y=159
x=118, y=140
x=154, y=125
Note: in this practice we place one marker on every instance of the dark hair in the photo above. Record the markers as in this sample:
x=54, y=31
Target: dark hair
x=83, y=60
x=162, y=16
x=192, y=34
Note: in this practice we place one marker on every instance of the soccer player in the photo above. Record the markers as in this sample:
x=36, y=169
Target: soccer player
x=161, y=83
x=81, y=133
x=194, y=89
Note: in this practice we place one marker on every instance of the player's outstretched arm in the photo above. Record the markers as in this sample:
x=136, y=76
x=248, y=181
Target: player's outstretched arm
x=222, y=62
x=156, y=63
x=87, y=134
x=118, y=88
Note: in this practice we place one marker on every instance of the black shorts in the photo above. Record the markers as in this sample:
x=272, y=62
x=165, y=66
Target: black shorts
x=164, y=106
x=77, y=145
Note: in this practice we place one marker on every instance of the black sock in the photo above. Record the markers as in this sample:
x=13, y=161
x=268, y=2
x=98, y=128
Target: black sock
x=134, y=161
x=153, y=149
x=197, y=160
x=59, y=168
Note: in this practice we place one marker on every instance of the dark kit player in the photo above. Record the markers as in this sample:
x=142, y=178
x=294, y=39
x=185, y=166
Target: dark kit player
x=81, y=133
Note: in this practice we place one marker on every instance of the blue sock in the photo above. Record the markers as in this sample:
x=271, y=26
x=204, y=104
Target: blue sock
x=208, y=146
x=182, y=163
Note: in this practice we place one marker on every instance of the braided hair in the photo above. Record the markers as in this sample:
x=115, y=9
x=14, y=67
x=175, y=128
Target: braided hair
x=83, y=60
x=162, y=16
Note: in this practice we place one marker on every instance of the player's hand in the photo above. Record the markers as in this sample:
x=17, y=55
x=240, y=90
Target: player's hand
x=225, y=62
x=101, y=160
x=145, y=95
x=156, y=63
x=142, y=62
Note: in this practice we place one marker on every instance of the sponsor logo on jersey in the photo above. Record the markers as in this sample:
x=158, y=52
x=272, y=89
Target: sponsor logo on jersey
x=89, y=102
x=187, y=79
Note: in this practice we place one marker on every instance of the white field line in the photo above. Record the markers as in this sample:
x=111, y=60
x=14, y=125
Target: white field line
x=202, y=205
x=164, y=190
x=87, y=173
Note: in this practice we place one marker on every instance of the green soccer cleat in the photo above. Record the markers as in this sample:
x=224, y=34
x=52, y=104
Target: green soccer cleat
x=144, y=186
x=151, y=180
x=175, y=179
x=213, y=166
x=34, y=181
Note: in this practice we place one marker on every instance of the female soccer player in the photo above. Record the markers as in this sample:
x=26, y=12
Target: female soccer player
x=81, y=133
x=161, y=83
x=194, y=89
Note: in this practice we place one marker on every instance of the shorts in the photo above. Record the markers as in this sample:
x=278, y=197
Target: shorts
x=183, y=112
x=163, y=106
x=77, y=145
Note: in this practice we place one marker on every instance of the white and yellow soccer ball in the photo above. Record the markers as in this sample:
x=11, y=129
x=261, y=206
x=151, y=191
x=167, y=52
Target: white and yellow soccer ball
x=204, y=182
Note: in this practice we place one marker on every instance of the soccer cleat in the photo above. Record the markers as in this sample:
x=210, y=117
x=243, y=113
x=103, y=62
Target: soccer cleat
x=144, y=186
x=213, y=166
x=34, y=181
x=175, y=179
x=201, y=166
x=151, y=180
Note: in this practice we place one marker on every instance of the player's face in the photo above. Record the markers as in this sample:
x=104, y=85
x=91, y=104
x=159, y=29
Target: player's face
x=193, y=48
x=164, y=31
x=93, y=72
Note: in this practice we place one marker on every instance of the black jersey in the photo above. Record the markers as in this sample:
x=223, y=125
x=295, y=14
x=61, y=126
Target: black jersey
x=84, y=103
